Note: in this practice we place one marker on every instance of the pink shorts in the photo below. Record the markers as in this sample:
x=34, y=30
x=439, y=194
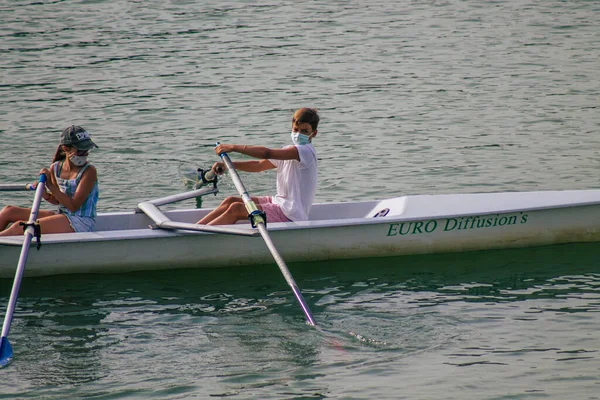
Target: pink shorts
x=273, y=211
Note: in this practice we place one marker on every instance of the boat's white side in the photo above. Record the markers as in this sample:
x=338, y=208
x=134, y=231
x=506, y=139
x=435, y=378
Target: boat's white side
x=402, y=225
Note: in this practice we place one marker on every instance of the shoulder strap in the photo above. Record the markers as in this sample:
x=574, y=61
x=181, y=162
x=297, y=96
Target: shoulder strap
x=82, y=170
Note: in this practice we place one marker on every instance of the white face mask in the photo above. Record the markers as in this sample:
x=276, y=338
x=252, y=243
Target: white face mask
x=78, y=161
x=299, y=138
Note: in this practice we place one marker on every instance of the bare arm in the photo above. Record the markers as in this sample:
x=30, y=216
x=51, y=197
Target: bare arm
x=246, y=166
x=50, y=198
x=88, y=179
x=50, y=181
x=264, y=153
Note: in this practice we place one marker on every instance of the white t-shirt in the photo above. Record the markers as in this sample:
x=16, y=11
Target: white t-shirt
x=297, y=183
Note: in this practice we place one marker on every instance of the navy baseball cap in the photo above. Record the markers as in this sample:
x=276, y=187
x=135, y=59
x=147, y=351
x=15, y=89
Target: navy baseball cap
x=77, y=137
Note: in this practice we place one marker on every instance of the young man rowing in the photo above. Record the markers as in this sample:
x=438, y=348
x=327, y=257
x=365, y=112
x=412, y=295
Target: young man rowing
x=296, y=175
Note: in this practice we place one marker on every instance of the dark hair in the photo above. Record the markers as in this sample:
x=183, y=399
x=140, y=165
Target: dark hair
x=60, y=154
x=308, y=115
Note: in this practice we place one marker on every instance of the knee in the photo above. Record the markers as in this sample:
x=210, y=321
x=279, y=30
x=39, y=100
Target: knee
x=230, y=200
x=16, y=227
x=8, y=210
x=238, y=209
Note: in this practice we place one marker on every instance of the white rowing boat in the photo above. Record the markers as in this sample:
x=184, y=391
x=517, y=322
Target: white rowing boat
x=124, y=241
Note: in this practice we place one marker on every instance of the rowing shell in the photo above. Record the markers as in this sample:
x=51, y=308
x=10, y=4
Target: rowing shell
x=131, y=241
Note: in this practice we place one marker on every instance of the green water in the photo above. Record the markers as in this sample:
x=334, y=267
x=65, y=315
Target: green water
x=452, y=325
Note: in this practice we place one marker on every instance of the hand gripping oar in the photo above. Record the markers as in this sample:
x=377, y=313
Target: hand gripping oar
x=258, y=220
x=6, y=353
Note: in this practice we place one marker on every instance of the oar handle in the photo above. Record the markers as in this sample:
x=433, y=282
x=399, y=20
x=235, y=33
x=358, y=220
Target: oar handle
x=15, y=187
x=256, y=215
x=208, y=176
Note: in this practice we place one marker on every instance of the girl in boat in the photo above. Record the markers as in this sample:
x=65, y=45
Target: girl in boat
x=296, y=175
x=71, y=183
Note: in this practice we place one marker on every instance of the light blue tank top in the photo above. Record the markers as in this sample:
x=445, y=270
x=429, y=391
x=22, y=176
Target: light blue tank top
x=69, y=186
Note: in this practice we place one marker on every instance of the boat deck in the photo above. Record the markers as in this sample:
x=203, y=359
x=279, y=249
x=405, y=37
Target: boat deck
x=405, y=207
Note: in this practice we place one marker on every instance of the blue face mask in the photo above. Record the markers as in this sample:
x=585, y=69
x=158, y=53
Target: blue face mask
x=299, y=138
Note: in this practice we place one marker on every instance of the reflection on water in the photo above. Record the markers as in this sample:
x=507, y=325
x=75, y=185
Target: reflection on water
x=494, y=275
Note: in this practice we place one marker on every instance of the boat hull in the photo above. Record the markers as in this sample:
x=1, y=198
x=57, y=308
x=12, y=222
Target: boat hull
x=128, y=250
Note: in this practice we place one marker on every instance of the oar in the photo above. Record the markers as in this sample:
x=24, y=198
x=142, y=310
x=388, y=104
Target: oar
x=15, y=187
x=259, y=221
x=6, y=353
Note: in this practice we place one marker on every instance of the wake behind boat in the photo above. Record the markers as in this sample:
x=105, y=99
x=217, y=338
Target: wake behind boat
x=148, y=239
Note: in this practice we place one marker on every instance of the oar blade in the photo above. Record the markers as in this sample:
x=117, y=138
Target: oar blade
x=6, y=353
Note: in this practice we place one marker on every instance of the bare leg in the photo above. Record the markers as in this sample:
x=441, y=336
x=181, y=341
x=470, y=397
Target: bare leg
x=236, y=212
x=223, y=208
x=11, y=214
x=57, y=223
x=219, y=210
